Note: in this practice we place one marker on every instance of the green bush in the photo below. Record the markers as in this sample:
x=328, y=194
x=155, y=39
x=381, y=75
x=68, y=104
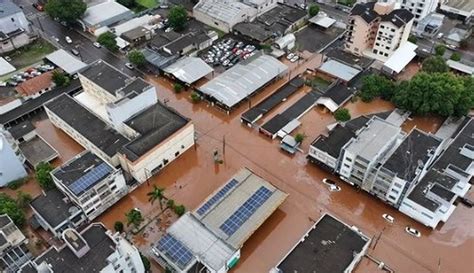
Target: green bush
x=43, y=176
x=177, y=87
x=313, y=10
x=300, y=137
x=118, y=226
x=440, y=50
x=10, y=207
x=342, y=114
x=179, y=210
x=456, y=56
x=195, y=97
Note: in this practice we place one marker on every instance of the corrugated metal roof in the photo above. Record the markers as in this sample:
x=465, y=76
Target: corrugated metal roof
x=189, y=69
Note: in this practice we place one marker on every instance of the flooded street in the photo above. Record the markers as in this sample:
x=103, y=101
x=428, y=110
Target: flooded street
x=193, y=176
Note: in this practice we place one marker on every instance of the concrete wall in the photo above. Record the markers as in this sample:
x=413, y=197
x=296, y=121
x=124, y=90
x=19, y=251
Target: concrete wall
x=11, y=168
x=168, y=150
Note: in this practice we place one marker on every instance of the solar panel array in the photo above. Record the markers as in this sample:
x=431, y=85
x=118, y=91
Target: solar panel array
x=175, y=250
x=90, y=178
x=218, y=196
x=244, y=212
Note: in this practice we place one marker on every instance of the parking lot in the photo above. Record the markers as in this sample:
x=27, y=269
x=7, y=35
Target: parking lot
x=227, y=52
x=29, y=73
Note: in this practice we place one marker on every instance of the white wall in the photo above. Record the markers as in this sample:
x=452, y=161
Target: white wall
x=11, y=168
x=10, y=106
x=179, y=142
x=323, y=157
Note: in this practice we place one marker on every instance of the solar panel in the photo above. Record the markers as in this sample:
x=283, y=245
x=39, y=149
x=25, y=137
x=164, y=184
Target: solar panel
x=217, y=197
x=175, y=250
x=245, y=211
x=90, y=178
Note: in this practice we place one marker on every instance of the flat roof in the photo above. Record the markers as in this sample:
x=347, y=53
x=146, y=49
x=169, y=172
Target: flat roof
x=52, y=208
x=249, y=200
x=5, y=67
x=401, y=57
x=159, y=59
x=416, y=149
x=154, y=124
x=64, y=260
x=373, y=138
x=464, y=68
x=66, y=61
x=339, y=70
x=103, y=11
x=21, y=129
x=37, y=150
x=189, y=69
x=87, y=124
x=333, y=143
x=270, y=102
x=243, y=79
x=82, y=172
x=322, y=21
x=328, y=247
x=222, y=11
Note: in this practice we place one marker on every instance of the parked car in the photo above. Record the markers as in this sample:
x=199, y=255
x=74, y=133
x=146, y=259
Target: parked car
x=440, y=35
x=75, y=52
x=334, y=188
x=96, y=44
x=413, y=232
x=68, y=40
x=168, y=29
x=389, y=218
x=295, y=58
x=290, y=56
x=37, y=6
x=3, y=84
x=129, y=65
x=225, y=62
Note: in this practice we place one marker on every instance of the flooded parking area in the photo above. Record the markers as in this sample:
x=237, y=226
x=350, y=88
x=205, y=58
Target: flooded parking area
x=194, y=175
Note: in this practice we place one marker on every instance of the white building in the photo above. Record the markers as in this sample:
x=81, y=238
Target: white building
x=94, y=249
x=458, y=9
x=90, y=183
x=11, y=160
x=419, y=8
x=13, y=250
x=13, y=27
x=223, y=15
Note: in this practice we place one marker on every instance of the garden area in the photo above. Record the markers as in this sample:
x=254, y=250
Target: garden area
x=31, y=54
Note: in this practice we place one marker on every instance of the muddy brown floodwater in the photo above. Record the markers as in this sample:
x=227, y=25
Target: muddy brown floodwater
x=193, y=176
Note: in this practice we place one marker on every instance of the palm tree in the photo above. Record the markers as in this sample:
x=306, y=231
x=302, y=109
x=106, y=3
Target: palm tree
x=134, y=217
x=156, y=194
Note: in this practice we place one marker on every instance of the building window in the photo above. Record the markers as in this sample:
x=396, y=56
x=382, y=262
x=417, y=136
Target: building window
x=13, y=19
x=375, y=51
x=386, y=54
x=176, y=154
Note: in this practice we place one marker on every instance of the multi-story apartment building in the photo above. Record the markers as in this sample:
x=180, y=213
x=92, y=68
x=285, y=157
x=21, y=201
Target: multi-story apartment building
x=94, y=249
x=13, y=250
x=419, y=8
x=360, y=156
x=90, y=183
x=377, y=29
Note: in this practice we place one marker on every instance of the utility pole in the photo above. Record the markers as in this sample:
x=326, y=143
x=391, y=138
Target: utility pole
x=223, y=145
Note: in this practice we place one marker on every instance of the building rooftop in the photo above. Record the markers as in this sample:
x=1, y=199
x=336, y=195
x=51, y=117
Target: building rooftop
x=412, y=154
x=370, y=141
x=463, y=5
x=224, y=11
x=398, y=17
x=158, y=59
x=87, y=124
x=66, y=61
x=52, y=207
x=82, y=172
x=8, y=8
x=328, y=247
x=21, y=129
x=37, y=150
x=97, y=14
x=243, y=79
x=333, y=143
x=34, y=85
x=64, y=260
x=339, y=70
x=401, y=57
x=154, y=124
x=237, y=209
x=189, y=69
x=134, y=33
x=177, y=45
x=365, y=11
x=5, y=67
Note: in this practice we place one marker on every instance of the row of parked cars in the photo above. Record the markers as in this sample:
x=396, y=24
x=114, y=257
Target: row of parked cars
x=228, y=52
x=27, y=74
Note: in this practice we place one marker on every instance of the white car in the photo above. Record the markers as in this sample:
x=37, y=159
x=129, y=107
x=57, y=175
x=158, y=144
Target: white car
x=413, y=232
x=130, y=66
x=389, y=218
x=68, y=40
x=295, y=58
x=334, y=188
x=440, y=35
x=96, y=44
x=290, y=56
x=2, y=83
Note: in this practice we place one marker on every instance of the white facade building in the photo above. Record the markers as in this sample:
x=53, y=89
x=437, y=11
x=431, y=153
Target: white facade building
x=419, y=8
x=11, y=160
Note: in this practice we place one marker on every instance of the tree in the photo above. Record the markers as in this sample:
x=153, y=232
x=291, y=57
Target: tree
x=412, y=39
x=137, y=58
x=342, y=114
x=375, y=86
x=434, y=64
x=23, y=199
x=195, y=98
x=156, y=194
x=170, y=204
x=444, y=94
x=313, y=10
x=180, y=210
x=60, y=78
x=127, y=3
x=10, y=207
x=134, y=217
x=107, y=39
x=146, y=262
x=455, y=56
x=300, y=137
x=178, y=17
x=177, y=87
x=118, y=226
x=43, y=176
x=66, y=10
x=440, y=50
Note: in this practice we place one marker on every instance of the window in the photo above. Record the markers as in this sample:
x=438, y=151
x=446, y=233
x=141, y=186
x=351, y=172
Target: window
x=377, y=44
x=176, y=154
x=13, y=19
x=395, y=191
x=386, y=54
x=392, y=197
x=165, y=161
x=382, y=26
x=398, y=185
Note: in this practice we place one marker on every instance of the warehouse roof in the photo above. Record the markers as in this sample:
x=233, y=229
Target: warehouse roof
x=224, y=11
x=242, y=80
x=189, y=69
x=99, y=13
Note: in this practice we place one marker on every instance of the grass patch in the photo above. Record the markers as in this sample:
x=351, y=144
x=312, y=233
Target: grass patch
x=320, y=83
x=147, y=3
x=31, y=53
